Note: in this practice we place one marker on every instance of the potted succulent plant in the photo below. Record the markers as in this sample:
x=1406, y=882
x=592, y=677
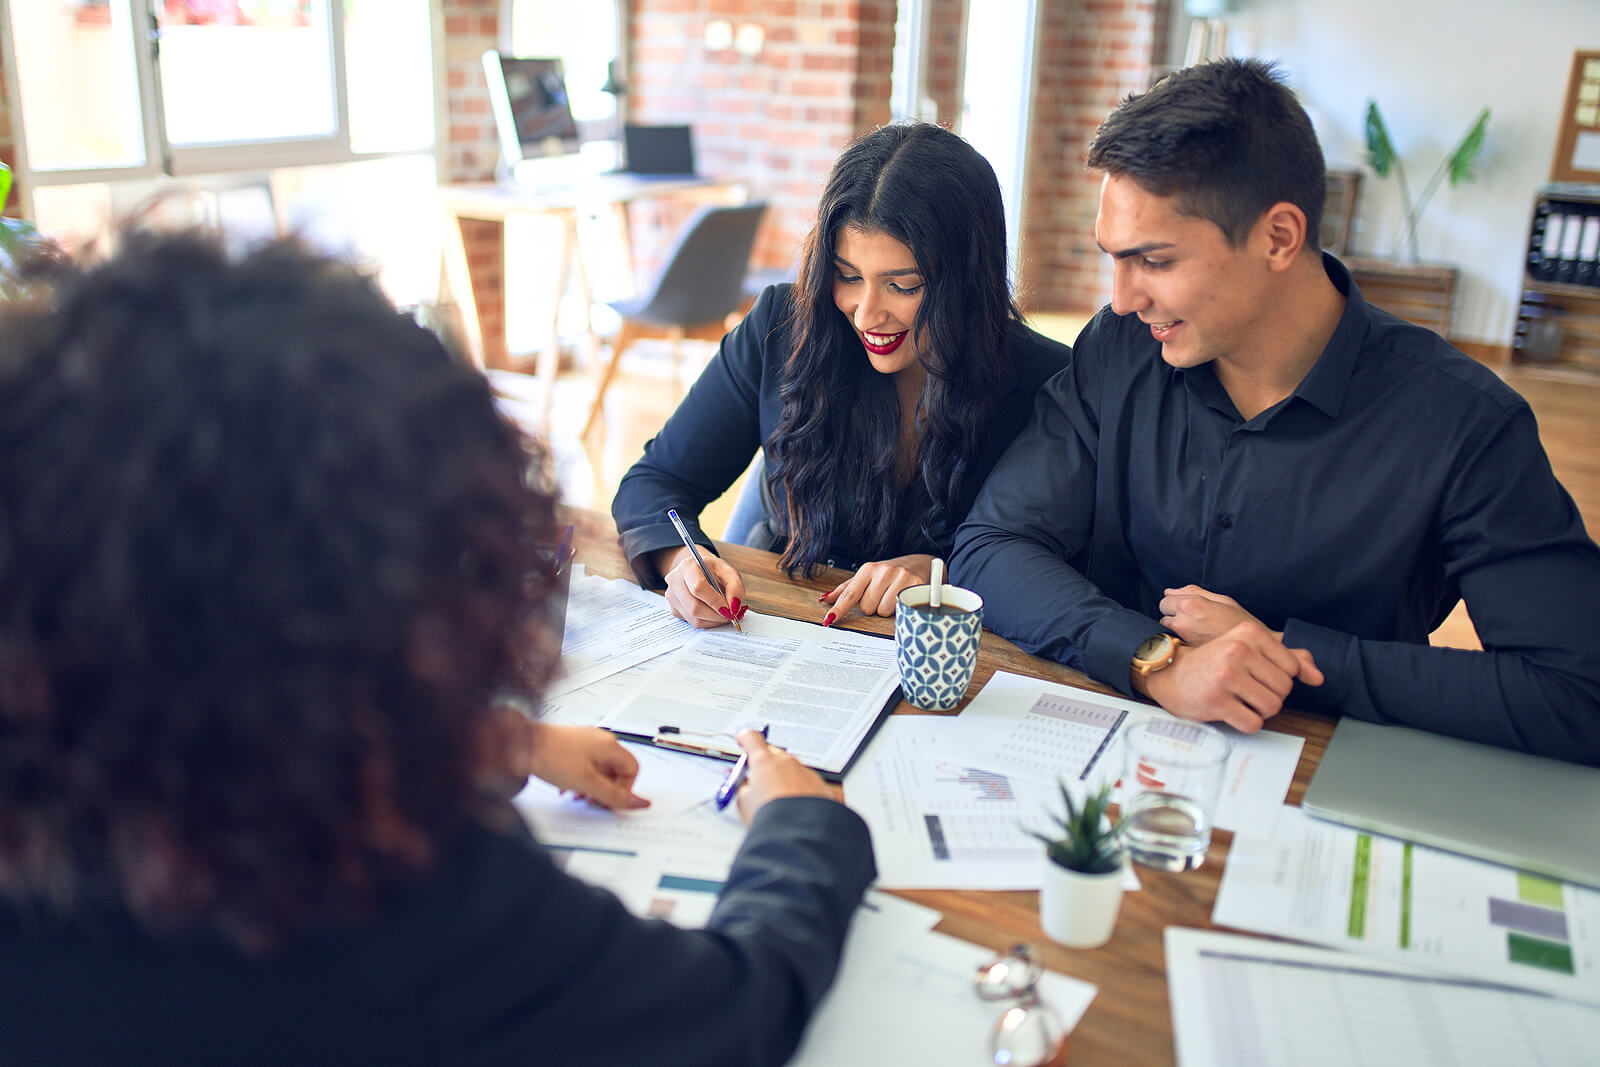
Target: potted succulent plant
x=1081, y=891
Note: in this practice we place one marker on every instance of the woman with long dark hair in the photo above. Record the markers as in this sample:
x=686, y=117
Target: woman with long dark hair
x=881, y=387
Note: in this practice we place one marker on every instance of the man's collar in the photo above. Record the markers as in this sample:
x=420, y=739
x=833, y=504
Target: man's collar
x=1325, y=385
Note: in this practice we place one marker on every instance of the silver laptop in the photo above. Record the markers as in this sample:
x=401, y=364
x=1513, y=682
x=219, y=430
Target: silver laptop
x=1535, y=814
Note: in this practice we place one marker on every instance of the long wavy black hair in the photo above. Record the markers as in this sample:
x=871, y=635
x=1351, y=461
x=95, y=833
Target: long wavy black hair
x=834, y=453
x=268, y=557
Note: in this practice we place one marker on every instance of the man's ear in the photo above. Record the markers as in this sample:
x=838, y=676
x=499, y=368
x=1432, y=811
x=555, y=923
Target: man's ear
x=1282, y=232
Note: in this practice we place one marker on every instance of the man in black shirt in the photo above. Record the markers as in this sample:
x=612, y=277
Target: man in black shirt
x=1251, y=487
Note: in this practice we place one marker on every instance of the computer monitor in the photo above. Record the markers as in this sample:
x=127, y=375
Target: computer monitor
x=531, y=111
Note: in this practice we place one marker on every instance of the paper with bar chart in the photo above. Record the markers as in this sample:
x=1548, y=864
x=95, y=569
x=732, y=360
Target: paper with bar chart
x=1335, y=885
x=1248, y=1002
x=1043, y=732
x=938, y=823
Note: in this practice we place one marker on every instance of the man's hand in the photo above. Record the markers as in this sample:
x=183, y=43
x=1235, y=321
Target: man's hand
x=691, y=597
x=1197, y=615
x=588, y=761
x=1240, y=677
x=773, y=773
x=875, y=586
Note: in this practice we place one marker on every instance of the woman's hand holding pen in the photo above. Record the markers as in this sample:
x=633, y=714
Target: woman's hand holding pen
x=588, y=761
x=692, y=598
x=875, y=586
x=773, y=773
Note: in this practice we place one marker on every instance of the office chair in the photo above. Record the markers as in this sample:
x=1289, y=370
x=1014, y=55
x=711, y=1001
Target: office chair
x=700, y=285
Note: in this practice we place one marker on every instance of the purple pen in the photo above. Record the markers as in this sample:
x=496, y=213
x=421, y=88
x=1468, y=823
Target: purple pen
x=735, y=778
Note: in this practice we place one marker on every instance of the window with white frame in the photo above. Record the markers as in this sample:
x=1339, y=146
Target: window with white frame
x=105, y=90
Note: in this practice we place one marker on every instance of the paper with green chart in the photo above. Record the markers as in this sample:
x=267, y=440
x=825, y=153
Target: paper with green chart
x=1335, y=885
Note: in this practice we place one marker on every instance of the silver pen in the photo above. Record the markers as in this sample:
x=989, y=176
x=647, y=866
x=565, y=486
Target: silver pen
x=683, y=532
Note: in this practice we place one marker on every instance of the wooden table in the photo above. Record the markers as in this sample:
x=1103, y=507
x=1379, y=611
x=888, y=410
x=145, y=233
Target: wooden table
x=1130, y=1021
x=601, y=194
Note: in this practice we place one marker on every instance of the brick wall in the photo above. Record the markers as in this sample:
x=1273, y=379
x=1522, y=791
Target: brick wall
x=1091, y=54
x=469, y=150
x=777, y=119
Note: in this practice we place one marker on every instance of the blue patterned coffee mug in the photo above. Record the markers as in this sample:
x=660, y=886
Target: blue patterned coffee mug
x=937, y=648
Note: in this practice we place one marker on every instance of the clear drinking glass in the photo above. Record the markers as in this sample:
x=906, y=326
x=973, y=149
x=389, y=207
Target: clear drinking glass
x=1171, y=781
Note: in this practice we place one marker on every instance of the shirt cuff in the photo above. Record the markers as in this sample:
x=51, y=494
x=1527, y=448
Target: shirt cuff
x=642, y=542
x=1338, y=656
x=1108, y=648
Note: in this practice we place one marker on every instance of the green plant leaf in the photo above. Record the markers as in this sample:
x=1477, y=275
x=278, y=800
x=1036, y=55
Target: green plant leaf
x=1466, y=153
x=1088, y=841
x=1380, y=150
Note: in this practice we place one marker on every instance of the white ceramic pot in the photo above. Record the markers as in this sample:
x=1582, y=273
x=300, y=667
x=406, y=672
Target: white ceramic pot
x=1079, y=910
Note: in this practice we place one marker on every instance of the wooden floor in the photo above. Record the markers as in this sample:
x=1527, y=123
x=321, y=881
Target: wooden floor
x=650, y=383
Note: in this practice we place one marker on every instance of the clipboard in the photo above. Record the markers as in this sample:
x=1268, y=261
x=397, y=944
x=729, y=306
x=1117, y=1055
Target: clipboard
x=721, y=747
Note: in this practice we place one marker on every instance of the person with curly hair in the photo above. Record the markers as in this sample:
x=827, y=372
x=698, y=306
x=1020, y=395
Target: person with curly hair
x=880, y=389
x=272, y=569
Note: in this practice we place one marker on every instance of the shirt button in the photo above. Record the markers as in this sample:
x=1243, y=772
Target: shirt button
x=831, y=562
x=1225, y=521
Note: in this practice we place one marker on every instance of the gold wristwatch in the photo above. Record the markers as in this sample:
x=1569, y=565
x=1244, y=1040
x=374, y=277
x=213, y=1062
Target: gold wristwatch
x=1155, y=653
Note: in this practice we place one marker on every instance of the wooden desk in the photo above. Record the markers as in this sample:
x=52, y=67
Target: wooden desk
x=1130, y=1021
x=603, y=194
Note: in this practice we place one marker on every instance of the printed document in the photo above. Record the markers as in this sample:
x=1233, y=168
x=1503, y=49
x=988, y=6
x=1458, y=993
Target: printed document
x=1248, y=1002
x=940, y=824
x=820, y=690
x=612, y=624
x=682, y=816
x=1339, y=886
x=906, y=995
x=1025, y=728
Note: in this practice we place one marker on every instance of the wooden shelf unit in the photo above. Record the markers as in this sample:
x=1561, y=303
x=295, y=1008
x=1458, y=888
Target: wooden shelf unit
x=1421, y=293
x=1558, y=318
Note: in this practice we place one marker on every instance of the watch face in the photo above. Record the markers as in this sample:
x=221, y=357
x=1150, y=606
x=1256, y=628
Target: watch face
x=1151, y=647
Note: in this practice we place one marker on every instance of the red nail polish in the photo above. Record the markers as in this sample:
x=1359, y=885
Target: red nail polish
x=735, y=606
x=829, y=620
x=725, y=613
x=823, y=598
x=743, y=610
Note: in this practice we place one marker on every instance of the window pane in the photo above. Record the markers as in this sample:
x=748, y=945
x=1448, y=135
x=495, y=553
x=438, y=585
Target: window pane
x=388, y=58
x=234, y=71
x=76, y=78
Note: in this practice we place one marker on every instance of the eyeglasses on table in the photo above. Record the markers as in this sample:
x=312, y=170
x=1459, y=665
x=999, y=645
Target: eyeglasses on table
x=1029, y=1033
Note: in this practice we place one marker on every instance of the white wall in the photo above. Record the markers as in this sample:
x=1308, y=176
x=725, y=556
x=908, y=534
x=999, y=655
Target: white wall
x=1432, y=65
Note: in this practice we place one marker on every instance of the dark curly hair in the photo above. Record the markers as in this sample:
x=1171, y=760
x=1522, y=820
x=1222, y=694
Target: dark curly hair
x=1227, y=138
x=268, y=559
x=834, y=452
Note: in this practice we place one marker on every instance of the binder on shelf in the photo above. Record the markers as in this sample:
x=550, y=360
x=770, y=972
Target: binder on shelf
x=1571, y=237
x=1550, y=248
x=1588, y=251
x=1536, y=232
